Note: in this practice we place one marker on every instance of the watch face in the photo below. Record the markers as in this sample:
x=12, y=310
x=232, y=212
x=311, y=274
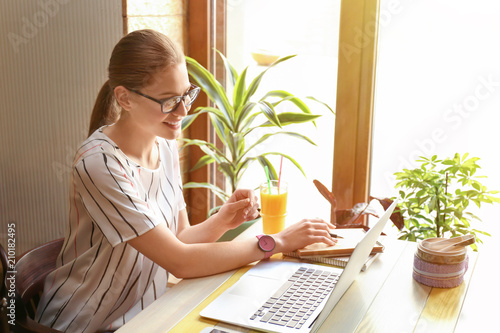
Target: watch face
x=266, y=243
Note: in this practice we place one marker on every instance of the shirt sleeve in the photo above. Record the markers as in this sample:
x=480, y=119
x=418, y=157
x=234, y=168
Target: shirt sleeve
x=112, y=199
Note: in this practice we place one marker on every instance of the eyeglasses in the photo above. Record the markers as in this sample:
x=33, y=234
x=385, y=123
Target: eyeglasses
x=170, y=104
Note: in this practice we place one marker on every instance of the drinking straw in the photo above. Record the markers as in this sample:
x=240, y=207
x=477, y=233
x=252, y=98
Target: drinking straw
x=268, y=180
x=279, y=176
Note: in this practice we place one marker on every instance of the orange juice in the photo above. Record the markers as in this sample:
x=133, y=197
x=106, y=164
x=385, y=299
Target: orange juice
x=273, y=206
x=272, y=224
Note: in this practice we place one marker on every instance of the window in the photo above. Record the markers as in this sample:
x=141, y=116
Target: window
x=206, y=30
x=166, y=16
x=310, y=30
x=437, y=90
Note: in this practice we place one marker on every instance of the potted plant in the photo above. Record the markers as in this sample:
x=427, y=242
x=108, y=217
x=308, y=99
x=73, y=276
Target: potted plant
x=436, y=198
x=235, y=117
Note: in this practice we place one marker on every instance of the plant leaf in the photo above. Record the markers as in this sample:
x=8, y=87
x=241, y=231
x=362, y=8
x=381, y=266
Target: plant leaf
x=267, y=136
x=215, y=189
x=324, y=104
x=239, y=90
x=207, y=147
x=288, y=158
x=197, y=142
x=286, y=96
x=229, y=140
x=252, y=88
x=233, y=75
x=211, y=111
x=228, y=170
x=242, y=122
x=207, y=82
x=265, y=162
x=204, y=160
x=268, y=110
x=287, y=118
x=188, y=120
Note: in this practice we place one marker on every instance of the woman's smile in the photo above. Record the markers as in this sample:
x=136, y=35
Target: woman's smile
x=175, y=125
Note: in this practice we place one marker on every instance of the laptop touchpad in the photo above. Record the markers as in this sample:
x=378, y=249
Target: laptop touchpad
x=255, y=287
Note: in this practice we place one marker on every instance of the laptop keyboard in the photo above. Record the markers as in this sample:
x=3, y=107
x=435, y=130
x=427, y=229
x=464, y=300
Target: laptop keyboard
x=297, y=298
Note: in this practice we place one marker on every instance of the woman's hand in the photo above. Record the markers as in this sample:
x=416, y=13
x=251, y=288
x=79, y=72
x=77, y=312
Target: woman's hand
x=303, y=233
x=241, y=206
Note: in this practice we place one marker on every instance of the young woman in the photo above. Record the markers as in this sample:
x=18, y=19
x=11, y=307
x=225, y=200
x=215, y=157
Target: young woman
x=128, y=226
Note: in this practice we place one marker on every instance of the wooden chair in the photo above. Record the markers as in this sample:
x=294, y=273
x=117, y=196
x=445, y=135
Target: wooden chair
x=31, y=270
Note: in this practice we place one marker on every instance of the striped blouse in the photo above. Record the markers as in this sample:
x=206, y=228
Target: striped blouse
x=101, y=282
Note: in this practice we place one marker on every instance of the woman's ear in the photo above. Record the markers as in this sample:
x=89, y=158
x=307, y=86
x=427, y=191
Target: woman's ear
x=122, y=96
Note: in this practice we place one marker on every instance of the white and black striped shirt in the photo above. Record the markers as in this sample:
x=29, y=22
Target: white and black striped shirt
x=101, y=282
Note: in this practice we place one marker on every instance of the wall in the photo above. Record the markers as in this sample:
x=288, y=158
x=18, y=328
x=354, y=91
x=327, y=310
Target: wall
x=53, y=59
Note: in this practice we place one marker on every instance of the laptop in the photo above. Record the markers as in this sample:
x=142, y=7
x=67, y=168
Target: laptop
x=276, y=295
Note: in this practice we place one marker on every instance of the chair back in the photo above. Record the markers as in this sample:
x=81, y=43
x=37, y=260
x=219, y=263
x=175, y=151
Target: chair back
x=31, y=270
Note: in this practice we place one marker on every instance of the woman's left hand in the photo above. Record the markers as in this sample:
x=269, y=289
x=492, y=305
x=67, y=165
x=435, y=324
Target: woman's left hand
x=241, y=206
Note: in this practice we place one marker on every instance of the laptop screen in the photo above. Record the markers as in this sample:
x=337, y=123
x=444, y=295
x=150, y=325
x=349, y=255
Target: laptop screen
x=354, y=265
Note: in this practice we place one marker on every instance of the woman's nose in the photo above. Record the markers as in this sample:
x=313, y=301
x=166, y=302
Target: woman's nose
x=181, y=109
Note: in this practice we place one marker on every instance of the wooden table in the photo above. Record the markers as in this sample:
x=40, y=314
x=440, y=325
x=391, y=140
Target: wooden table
x=384, y=298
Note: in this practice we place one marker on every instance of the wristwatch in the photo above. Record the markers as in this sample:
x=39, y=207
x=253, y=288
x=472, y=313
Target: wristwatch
x=267, y=244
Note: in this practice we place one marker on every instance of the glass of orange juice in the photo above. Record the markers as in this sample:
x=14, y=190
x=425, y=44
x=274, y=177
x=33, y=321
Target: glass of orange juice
x=273, y=206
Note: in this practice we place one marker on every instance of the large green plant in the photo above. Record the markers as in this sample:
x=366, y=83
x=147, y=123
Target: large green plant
x=235, y=118
x=435, y=198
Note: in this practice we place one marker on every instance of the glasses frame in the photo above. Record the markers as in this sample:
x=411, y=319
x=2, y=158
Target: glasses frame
x=181, y=98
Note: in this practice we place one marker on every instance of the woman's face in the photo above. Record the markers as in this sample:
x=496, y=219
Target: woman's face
x=146, y=114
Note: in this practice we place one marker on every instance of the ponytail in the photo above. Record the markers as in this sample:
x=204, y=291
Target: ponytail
x=105, y=111
x=135, y=59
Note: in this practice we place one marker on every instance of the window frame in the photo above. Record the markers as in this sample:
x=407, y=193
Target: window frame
x=355, y=101
x=206, y=26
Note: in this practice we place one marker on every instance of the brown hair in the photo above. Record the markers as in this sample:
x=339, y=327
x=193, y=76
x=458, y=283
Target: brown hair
x=134, y=61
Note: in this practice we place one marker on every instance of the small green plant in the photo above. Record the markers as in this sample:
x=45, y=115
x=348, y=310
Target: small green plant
x=237, y=113
x=435, y=199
